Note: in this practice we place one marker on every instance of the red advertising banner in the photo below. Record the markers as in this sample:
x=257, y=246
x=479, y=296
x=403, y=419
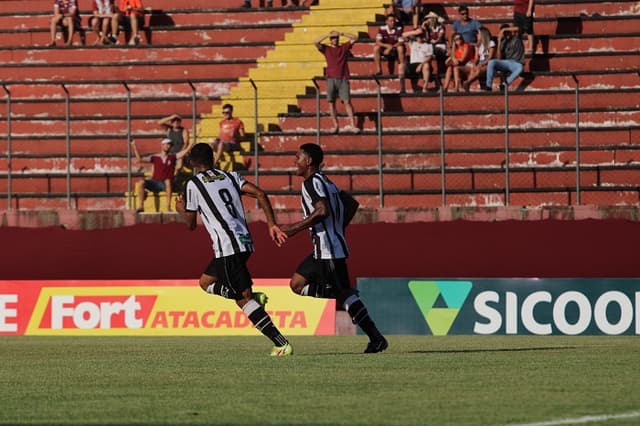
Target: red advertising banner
x=151, y=308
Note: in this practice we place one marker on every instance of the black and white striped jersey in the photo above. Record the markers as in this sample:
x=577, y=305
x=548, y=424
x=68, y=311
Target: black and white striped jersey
x=216, y=195
x=328, y=235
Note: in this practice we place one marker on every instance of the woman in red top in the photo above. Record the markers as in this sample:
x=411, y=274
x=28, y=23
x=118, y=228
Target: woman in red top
x=459, y=62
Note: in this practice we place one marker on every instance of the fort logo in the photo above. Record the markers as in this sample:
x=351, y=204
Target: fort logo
x=440, y=302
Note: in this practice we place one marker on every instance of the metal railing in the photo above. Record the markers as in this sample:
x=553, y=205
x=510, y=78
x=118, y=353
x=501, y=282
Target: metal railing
x=380, y=133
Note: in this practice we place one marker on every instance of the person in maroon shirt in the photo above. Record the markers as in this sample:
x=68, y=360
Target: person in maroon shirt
x=65, y=14
x=164, y=167
x=337, y=74
x=390, y=46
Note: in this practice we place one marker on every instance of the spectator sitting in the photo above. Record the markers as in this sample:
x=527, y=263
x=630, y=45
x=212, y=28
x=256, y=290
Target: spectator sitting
x=407, y=11
x=510, y=59
x=178, y=135
x=131, y=17
x=420, y=56
x=466, y=26
x=435, y=34
x=390, y=45
x=459, y=61
x=104, y=21
x=164, y=165
x=231, y=133
x=65, y=14
x=485, y=49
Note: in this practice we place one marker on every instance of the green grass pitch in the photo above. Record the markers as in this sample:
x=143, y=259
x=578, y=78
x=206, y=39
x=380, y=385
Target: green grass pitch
x=419, y=380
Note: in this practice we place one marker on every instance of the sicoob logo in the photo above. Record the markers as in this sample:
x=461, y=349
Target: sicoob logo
x=440, y=302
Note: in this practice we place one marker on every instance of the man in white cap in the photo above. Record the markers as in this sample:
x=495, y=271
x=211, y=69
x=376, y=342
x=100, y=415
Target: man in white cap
x=164, y=165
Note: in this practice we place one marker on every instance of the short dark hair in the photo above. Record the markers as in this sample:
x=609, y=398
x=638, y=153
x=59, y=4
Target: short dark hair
x=315, y=152
x=463, y=8
x=202, y=155
x=227, y=106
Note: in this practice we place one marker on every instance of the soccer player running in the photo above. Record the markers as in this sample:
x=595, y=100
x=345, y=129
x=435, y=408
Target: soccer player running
x=217, y=194
x=327, y=212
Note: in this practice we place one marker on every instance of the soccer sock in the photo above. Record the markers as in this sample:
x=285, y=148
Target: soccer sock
x=261, y=319
x=222, y=290
x=360, y=316
x=317, y=290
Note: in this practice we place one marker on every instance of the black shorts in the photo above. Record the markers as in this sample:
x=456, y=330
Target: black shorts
x=412, y=69
x=524, y=22
x=393, y=54
x=325, y=271
x=232, y=271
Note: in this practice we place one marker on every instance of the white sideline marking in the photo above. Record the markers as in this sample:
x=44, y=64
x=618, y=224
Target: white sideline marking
x=585, y=419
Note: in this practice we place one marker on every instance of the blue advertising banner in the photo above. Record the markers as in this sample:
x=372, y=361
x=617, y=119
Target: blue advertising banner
x=503, y=306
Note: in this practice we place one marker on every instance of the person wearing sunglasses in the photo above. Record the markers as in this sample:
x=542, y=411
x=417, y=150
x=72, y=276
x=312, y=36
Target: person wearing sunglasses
x=466, y=26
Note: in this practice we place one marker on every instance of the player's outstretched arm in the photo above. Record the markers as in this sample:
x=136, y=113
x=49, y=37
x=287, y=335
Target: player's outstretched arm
x=319, y=212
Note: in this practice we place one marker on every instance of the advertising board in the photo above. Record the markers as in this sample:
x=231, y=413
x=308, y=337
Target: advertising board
x=503, y=306
x=151, y=308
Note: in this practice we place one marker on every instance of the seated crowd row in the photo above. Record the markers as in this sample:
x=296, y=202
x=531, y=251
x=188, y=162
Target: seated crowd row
x=106, y=20
x=471, y=52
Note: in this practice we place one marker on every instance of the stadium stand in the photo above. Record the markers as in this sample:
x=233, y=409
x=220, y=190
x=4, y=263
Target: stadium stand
x=197, y=57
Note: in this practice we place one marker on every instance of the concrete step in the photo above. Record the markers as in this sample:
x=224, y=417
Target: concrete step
x=169, y=18
x=69, y=57
x=523, y=139
x=475, y=119
x=482, y=100
x=162, y=36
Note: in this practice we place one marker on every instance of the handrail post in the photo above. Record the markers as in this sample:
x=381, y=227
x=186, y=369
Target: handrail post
x=67, y=105
x=130, y=204
x=379, y=131
x=315, y=83
x=256, y=134
x=578, y=195
x=194, y=114
x=443, y=181
x=506, y=145
x=9, y=183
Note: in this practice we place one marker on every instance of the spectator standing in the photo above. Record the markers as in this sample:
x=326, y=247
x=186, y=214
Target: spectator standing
x=523, y=13
x=323, y=274
x=510, y=56
x=217, y=196
x=459, y=62
x=485, y=50
x=67, y=15
x=337, y=74
x=131, y=17
x=104, y=21
x=164, y=166
x=390, y=46
x=231, y=133
x=466, y=26
x=420, y=56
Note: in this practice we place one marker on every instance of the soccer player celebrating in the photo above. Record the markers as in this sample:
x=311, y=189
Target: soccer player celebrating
x=327, y=212
x=216, y=194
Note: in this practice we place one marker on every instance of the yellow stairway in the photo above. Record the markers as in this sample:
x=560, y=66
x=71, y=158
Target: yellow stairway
x=288, y=70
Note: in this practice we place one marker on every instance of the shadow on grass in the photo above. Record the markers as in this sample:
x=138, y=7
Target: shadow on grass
x=462, y=351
